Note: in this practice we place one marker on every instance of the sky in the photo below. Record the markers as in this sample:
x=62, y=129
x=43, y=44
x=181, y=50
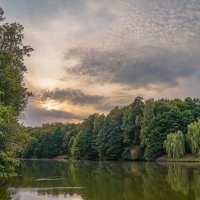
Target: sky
x=90, y=55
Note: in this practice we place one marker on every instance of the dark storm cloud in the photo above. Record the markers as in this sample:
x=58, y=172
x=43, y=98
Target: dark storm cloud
x=55, y=114
x=35, y=115
x=74, y=96
x=78, y=97
x=138, y=67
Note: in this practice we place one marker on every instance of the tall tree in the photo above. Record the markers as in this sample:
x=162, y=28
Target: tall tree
x=13, y=93
x=109, y=139
x=131, y=126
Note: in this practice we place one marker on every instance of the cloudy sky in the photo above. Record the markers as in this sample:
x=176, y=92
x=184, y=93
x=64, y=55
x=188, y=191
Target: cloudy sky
x=92, y=55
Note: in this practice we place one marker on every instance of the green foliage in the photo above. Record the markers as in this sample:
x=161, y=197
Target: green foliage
x=69, y=131
x=175, y=145
x=48, y=141
x=178, y=179
x=75, y=146
x=90, y=129
x=126, y=154
x=148, y=114
x=12, y=142
x=12, y=68
x=131, y=125
x=194, y=137
x=83, y=144
x=163, y=117
x=7, y=165
x=109, y=138
x=13, y=95
x=136, y=131
x=134, y=118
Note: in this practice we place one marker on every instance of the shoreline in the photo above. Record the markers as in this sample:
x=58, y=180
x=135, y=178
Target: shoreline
x=188, y=158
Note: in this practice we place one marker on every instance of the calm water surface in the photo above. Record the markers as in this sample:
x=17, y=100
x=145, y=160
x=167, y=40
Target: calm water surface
x=81, y=180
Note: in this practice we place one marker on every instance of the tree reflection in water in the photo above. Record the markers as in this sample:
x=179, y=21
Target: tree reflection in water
x=177, y=177
x=86, y=180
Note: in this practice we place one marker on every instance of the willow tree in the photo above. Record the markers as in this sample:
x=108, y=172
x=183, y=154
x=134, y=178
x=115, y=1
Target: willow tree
x=175, y=145
x=193, y=136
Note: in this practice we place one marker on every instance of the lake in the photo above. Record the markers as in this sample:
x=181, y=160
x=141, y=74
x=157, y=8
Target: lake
x=84, y=180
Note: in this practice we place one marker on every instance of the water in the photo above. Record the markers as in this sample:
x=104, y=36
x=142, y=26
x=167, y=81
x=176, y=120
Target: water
x=83, y=180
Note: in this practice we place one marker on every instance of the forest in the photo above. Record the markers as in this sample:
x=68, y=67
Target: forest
x=143, y=130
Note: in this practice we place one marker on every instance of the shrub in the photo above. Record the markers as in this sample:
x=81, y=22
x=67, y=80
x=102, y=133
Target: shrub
x=136, y=153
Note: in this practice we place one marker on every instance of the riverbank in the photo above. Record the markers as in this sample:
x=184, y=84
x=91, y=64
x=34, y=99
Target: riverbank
x=162, y=159
x=60, y=157
x=186, y=158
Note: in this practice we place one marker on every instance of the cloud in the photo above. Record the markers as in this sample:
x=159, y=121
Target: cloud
x=74, y=96
x=79, y=98
x=115, y=50
x=138, y=67
x=165, y=22
x=36, y=116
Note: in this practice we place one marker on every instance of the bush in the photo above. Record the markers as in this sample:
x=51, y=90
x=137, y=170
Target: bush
x=136, y=153
x=7, y=166
x=175, y=145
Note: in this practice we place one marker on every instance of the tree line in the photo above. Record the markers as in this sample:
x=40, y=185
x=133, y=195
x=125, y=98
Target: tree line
x=143, y=130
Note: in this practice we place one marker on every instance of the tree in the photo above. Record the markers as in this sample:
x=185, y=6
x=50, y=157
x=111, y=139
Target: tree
x=175, y=145
x=88, y=137
x=109, y=139
x=13, y=94
x=75, y=146
x=47, y=141
x=131, y=125
x=193, y=136
x=84, y=145
x=70, y=130
x=12, y=67
x=161, y=118
x=133, y=132
x=148, y=115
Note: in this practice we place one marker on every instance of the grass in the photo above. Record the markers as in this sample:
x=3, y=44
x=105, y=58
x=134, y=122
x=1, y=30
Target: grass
x=186, y=158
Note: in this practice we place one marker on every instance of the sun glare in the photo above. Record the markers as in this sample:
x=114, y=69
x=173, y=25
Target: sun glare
x=50, y=105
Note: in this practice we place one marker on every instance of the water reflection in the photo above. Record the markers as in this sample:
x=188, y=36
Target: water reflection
x=83, y=180
x=177, y=177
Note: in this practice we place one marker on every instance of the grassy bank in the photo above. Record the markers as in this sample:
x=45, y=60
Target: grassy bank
x=186, y=158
